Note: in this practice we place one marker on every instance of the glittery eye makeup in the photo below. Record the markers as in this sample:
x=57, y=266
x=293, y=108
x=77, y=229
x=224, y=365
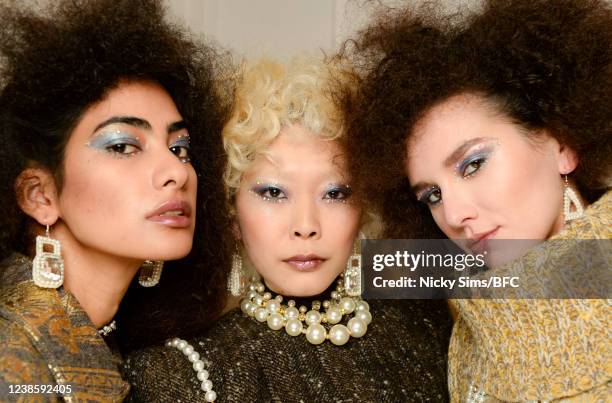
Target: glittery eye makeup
x=474, y=161
x=337, y=193
x=430, y=196
x=180, y=147
x=116, y=142
x=269, y=192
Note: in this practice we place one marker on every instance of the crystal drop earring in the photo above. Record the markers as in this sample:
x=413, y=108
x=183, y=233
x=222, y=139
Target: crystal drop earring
x=48, y=264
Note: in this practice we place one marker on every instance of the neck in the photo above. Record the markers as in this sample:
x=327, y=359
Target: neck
x=96, y=279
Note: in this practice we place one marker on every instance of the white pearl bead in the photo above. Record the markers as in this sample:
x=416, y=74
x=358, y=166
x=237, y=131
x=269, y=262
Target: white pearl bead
x=315, y=333
x=258, y=300
x=339, y=335
x=357, y=327
x=291, y=312
x=293, y=327
x=251, y=310
x=365, y=316
x=273, y=306
x=251, y=294
x=347, y=304
x=261, y=314
x=188, y=349
x=193, y=357
x=244, y=305
x=207, y=385
x=313, y=317
x=362, y=306
x=267, y=296
x=260, y=287
x=275, y=321
x=198, y=365
x=335, y=295
x=210, y=396
x=181, y=344
x=333, y=315
x=169, y=343
x=203, y=375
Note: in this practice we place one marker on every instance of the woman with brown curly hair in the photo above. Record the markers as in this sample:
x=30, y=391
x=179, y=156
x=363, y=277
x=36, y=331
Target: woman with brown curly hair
x=110, y=128
x=496, y=125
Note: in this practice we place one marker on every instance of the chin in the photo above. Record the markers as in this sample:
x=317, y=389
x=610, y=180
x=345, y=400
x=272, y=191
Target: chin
x=168, y=252
x=309, y=288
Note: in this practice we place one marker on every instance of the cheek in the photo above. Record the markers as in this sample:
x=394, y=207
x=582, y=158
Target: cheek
x=259, y=223
x=96, y=193
x=341, y=226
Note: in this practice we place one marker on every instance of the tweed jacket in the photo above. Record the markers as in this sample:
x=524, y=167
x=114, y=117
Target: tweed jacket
x=540, y=349
x=46, y=339
x=401, y=358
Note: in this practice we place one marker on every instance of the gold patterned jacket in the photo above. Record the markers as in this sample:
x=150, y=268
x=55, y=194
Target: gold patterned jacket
x=49, y=342
x=537, y=350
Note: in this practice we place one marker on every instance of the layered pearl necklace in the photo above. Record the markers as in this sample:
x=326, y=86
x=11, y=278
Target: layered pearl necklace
x=261, y=306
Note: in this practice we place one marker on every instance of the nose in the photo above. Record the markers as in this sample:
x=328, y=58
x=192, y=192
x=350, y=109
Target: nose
x=459, y=209
x=170, y=172
x=305, y=223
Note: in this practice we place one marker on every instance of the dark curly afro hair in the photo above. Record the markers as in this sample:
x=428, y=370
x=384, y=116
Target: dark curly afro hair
x=58, y=61
x=543, y=63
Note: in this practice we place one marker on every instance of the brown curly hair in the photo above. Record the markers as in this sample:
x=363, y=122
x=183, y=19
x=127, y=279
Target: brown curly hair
x=55, y=63
x=545, y=64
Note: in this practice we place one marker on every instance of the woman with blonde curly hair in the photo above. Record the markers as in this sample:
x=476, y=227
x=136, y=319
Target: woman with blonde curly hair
x=302, y=332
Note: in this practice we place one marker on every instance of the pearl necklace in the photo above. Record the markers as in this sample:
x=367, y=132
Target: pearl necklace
x=261, y=306
x=198, y=366
x=107, y=329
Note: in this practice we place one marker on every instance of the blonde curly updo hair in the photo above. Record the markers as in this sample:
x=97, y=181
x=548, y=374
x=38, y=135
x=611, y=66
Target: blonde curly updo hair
x=271, y=96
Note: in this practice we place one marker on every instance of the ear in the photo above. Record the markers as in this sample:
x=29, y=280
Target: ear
x=567, y=160
x=36, y=193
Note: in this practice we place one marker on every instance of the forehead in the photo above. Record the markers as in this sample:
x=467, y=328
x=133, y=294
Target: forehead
x=447, y=125
x=299, y=151
x=134, y=98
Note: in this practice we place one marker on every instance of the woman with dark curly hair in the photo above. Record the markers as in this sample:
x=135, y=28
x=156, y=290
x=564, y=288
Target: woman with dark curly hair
x=110, y=124
x=496, y=126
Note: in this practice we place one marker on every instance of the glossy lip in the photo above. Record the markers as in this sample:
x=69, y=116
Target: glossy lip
x=478, y=242
x=174, y=221
x=309, y=262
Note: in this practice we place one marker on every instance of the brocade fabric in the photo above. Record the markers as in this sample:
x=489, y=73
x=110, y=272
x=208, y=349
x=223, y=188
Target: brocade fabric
x=47, y=339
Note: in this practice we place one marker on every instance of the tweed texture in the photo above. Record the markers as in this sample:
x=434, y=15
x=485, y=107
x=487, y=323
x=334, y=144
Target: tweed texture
x=402, y=358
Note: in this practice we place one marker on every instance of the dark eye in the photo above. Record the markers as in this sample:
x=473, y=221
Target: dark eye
x=181, y=152
x=271, y=193
x=123, y=148
x=339, y=193
x=431, y=197
x=473, y=167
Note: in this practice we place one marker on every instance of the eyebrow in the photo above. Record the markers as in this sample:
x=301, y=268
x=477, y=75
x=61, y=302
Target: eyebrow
x=460, y=151
x=451, y=160
x=176, y=126
x=139, y=123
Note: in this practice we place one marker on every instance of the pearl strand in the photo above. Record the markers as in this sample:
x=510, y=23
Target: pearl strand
x=198, y=366
x=261, y=306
